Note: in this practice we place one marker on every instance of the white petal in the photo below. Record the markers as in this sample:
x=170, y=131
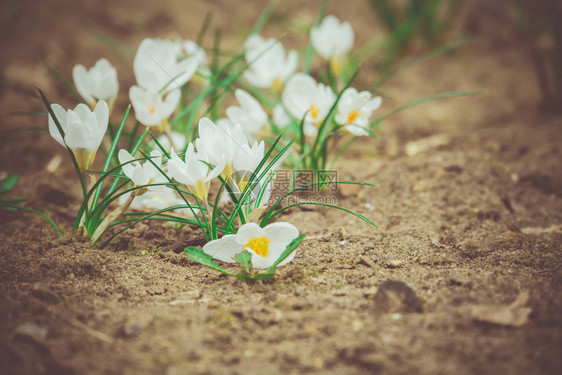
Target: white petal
x=124, y=156
x=170, y=104
x=356, y=130
x=248, y=231
x=224, y=249
x=60, y=114
x=216, y=171
x=102, y=115
x=260, y=262
x=80, y=77
x=281, y=232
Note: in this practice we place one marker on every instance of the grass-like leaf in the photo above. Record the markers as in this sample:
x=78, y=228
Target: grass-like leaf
x=201, y=257
x=245, y=260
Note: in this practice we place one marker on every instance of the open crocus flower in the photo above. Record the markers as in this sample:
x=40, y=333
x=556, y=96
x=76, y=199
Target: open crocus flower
x=142, y=173
x=98, y=83
x=332, y=40
x=354, y=110
x=303, y=97
x=269, y=67
x=193, y=173
x=153, y=108
x=83, y=130
x=250, y=115
x=265, y=244
x=248, y=158
x=159, y=65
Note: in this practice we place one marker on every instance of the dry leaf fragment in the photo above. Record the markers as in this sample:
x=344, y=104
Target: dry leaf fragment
x=515, y=314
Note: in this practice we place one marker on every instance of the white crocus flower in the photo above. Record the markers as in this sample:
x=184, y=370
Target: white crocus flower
x=250, y=114
x=220, y=141
x=83, y=130
x=142, y=173
x=265, y=244
x=269, y=66
x=151, y=107
x=97, y=83
x=160, y=65
x=333, y=40
x=248, y=158
x=354, y=110
x=245, y=164
x=193, y=172
x=303, y=97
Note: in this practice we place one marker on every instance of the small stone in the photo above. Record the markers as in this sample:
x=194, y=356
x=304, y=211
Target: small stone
x=395, y=296
x=369, y=207
x=135, y=324
x=396, y=316
x=32, y=330
x=394, y=263
x=425, y=144
x=348, y=190
x=357, y=325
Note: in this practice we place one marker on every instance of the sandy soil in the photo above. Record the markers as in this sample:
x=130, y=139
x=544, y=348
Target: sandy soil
x=474, y=221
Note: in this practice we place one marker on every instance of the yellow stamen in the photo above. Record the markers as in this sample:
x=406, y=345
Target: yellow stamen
x=260, y=245
x=200, y=190
x=163, y=125
x=352, y=116
x=243, y=182
x=227, y=172
x=277, y=85
x=336, y=64
x=152, y=110
x=84, y=158
x=313, y=111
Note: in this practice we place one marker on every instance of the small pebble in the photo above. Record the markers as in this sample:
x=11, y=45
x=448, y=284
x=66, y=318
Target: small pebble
x=394, y=263
x=32, y=330
x=395, y=296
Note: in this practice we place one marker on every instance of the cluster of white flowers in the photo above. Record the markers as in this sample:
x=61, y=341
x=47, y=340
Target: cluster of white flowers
x=230, y=148
x=302, y=97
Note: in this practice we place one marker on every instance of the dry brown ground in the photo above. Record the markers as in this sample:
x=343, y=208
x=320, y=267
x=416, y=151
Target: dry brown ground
x=474, y=221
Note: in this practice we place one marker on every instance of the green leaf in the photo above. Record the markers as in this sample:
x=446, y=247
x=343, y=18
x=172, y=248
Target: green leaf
x=266, y=275
x=245, y=260
x=289, y=249
x=201, y=257
x=18, y=207
x=9, y=183
x=263, y=18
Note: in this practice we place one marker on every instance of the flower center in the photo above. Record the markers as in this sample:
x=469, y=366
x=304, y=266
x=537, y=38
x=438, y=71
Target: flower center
x=260, y=245
x=313, y=111
x=152, y=110
x=277, y=85
x=352, y=116
x=200, y=190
